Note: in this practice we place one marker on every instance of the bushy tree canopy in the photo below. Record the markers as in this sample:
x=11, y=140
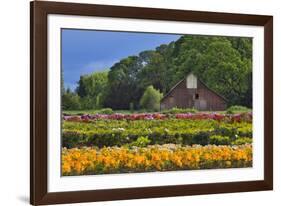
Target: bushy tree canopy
x=150, y=99
x=92, y=89
x=70, y=100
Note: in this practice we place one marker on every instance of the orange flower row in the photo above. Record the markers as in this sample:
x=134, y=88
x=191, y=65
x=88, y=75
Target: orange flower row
x=153, y=158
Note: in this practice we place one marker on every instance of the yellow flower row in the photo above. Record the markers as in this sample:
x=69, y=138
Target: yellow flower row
x=153, y=158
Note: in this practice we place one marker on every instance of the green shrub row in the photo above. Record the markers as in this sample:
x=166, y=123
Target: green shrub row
x=176, y=110
x=237, y=109
x=141, y=133
x=71, y=140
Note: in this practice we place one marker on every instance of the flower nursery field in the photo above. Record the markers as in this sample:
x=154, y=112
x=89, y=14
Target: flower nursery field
x=124, y=143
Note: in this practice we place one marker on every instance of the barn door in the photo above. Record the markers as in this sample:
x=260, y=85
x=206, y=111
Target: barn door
x=203, y=104
x=200, y=104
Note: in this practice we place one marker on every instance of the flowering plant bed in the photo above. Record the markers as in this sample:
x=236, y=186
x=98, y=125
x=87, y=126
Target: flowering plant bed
x=125, y=143
x=247, y=116
x=86, y=161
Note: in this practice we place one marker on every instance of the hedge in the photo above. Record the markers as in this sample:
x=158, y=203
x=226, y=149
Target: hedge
x=102, y=133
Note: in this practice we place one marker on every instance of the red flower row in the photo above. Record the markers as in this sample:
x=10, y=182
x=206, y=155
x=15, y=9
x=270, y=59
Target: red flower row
x=158, y=116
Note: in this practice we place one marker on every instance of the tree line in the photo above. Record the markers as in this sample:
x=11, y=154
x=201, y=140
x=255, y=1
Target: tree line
x=223, y=63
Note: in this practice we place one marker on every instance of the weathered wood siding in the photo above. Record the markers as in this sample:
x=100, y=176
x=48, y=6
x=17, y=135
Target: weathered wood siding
x=182, y=97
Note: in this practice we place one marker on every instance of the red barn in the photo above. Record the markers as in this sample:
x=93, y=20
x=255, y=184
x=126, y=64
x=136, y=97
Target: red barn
x=191, y=92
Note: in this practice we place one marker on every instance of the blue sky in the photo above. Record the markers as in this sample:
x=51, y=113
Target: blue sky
x=87, y=51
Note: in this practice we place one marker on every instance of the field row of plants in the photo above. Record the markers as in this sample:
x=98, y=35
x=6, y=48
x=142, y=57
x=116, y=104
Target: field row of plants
x=242, y=117
x=153, y=158
x=109, y=132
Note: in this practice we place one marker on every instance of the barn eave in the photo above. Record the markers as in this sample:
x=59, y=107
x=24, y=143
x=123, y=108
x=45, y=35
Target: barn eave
x=214, y=91
x=170, y=91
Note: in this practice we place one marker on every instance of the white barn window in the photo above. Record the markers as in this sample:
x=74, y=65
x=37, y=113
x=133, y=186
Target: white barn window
x=191, y=81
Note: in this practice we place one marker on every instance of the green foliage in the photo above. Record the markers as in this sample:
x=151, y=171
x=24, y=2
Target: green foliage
x=119, y=132
x=223, y=70
x=237, y=109
x=141, y=142
x=105, y=111
x=123, y=84
x=87, y=102
x=70, y=100
x=151, y=99
x=242, y=140
x=176, y=110
x=202, y=138
x=92, y=90
x=219, y=140
x=94, y=111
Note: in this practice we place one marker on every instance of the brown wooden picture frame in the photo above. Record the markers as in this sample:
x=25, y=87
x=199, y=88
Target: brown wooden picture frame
x=38, y=102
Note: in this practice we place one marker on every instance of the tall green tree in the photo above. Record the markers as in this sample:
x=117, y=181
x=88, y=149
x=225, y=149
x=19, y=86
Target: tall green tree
x=223, y=69
x=92, y=89
x=70, y=100
x=158, y=69
x=123, y=83
x=150, y=99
